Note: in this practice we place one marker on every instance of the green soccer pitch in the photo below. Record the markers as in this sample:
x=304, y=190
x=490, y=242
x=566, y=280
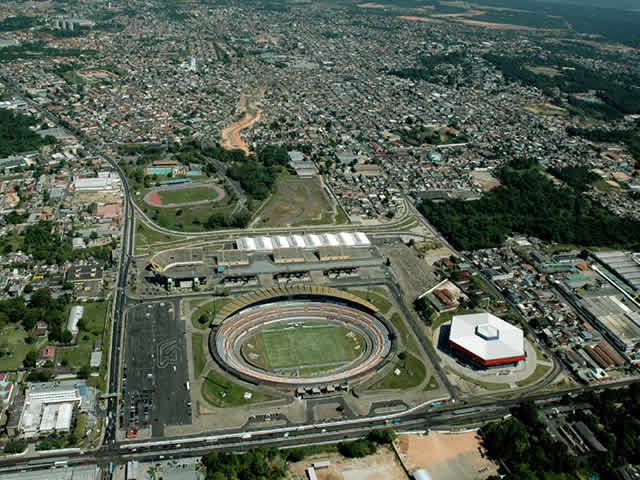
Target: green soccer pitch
x=284, y=348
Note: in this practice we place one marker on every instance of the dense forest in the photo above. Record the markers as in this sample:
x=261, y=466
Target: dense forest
x=579, y=178
x=529, y=203
x=524, y=444
x=16, y=136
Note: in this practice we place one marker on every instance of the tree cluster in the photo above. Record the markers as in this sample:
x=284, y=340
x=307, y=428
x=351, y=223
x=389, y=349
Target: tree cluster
x=529, y=203
x=579, y=178
x=630, y=137
x=525, y=445
x=16, y=136
x=42, y=306
x=256, y=464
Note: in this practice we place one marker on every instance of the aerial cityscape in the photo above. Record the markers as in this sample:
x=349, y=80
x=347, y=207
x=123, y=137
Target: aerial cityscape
x=335, y=240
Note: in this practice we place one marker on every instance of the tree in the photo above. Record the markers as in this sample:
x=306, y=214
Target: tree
x=203, y=319
x=84, y=371
x=30, y=359
x=67, y=336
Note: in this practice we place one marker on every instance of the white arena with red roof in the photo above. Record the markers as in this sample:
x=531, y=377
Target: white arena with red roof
x=486, y=340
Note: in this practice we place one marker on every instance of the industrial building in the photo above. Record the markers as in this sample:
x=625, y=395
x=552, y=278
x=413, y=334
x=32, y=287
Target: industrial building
x=48, y=408
x=617, y=320
x=624, y=265
x=81, y=472
x=74, y=317
x=309, y=241
x=486, y=340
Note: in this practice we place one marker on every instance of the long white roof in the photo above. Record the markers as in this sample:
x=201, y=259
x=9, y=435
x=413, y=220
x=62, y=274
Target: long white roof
x=309, y=241
x=486, y=336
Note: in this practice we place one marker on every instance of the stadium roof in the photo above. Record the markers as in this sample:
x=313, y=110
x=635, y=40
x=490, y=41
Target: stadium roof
x=487, y=337
x=308, y=241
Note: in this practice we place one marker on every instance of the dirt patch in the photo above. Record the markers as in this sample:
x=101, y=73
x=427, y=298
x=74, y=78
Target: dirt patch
x=485, y=179
x=372, y=5
x=446, y=456
x=327, y=411
x=381, y=466
x=247, y=105
x=153, y=199
x=545, y=109
x=419, y=19
x=468, y=13
x=504, y=26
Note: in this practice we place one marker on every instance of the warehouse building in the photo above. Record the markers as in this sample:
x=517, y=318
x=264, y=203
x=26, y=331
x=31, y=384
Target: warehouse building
x=624, y=265
x=48, y=408
x=486, y=340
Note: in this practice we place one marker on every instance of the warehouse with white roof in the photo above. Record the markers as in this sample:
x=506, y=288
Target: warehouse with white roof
x=486, y=340
x=308, y=241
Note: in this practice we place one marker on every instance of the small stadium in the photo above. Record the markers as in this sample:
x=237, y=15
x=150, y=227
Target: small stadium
x=301, y=336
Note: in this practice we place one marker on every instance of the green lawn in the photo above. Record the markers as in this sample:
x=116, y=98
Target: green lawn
x=146, y=237
x=310, y=345
x=403, y=332
x=432, y=384
x=379, y=301
x=77, y=356
x=184, y=195
x=412, y=373
x=13, y=347
x=207, y=307
x=538, y=373
x=220, y=392
x=199, y=358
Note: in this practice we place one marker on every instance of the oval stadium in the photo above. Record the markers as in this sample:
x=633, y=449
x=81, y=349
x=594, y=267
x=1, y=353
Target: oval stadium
x=301, y=336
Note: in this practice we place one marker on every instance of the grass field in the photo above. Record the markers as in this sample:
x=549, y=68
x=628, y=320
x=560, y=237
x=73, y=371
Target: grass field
x=311, y=346
x=380, y=302
x=412, y=374
x=432, y=384
x=185, y=195
x=404, y=333
x=538, y=373
x=220, y=392
x=206, y=308
x=296, y=202
x=13, y=347
x=199, y=359
x=146, y=237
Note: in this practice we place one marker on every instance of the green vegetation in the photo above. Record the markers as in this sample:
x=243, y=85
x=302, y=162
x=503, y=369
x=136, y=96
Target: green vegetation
x=630, y=137
x=222, y=393
x=40, y=49
x=15, y=343
x=432, y=384
x=405, y=335
x=412, y=374
x=80, y=430
x=538, y=373
x=615, y=90
x=19, y=22
x=529, y=203
x=147, y=237
x=206, y=310
x=14, y=446
x=527, y=448
x=199, y=359
x=366, y=446
x=309, y=345
x=258, y=463
x=437, y=69
x=579, y=178
x=184, y=195
x=16, y=136
x=380, y=302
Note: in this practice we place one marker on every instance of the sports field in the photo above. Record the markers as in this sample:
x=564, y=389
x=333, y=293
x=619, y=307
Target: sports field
x=187, y=195
x=309, y=345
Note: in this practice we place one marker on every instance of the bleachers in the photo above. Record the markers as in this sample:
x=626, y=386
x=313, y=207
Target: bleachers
x=232, y=332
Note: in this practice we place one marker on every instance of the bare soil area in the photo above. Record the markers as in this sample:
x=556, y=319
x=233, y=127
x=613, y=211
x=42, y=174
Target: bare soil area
x=458, y=456
x=381, y=466
x=247, y=105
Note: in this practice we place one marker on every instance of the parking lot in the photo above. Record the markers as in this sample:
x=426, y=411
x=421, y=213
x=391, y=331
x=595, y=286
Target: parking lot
x=155, y=375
